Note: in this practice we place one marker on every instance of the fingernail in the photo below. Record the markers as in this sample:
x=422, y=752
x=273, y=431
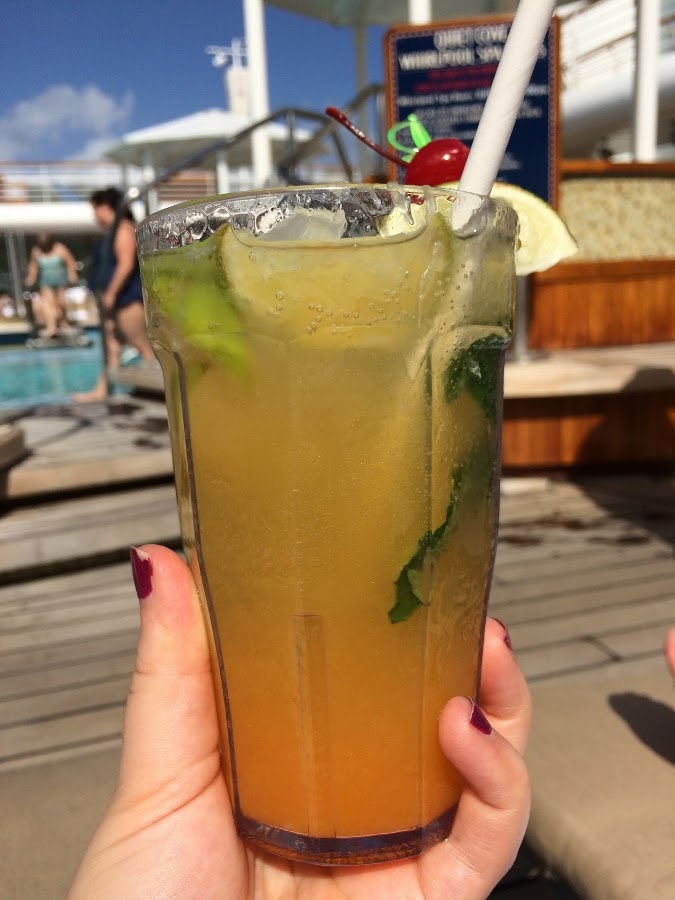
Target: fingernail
x=141, y=569
x=478, y=720
x=507, y=636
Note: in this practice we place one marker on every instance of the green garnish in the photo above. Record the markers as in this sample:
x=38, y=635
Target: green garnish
x=476, y=369
x=193, y=291
x=409, y=589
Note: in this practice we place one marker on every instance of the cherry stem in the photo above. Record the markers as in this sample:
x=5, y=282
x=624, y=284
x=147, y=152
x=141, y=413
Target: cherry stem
x=340, y=117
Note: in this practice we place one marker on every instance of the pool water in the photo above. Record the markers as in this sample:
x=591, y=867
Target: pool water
x=47, y=376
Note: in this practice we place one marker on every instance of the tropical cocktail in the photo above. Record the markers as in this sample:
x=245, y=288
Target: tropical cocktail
x=333, y=360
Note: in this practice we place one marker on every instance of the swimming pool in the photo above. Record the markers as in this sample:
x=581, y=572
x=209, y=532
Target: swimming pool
x=47, y=376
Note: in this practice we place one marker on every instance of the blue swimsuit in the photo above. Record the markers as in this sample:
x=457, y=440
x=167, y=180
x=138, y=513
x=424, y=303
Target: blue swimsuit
x=105, y=263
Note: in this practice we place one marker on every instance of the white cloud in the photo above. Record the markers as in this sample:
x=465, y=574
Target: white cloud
x=96, y=147
x=59, y=112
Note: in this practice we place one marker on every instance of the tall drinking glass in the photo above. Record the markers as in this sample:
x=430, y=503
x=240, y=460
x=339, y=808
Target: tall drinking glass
x=333, y=362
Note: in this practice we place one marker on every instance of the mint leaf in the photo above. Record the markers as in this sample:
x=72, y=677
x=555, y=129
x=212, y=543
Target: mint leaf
x=409, y=591
x=406, y=600
x=476, y=369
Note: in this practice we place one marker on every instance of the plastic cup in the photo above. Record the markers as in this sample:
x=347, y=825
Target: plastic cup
x=333, y=362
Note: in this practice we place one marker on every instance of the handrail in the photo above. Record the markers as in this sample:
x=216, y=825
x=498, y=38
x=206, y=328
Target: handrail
x=627, y=36
x=287, y=166
x=135, y=193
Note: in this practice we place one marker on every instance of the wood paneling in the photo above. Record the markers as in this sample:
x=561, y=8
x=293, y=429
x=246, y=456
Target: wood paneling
x=592, y=168
x=569, y=431
x=602, y=304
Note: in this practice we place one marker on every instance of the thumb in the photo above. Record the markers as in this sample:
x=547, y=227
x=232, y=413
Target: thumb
x=170, y=724
x=493, y=809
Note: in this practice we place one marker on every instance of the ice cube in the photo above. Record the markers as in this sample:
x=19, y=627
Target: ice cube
x=307, y=225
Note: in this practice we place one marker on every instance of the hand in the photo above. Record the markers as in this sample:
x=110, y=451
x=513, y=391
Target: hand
x=108, y=299
x=169, y=831
x=669, y=650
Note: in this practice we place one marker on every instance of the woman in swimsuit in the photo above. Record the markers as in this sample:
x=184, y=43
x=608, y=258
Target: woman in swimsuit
x=52, y=266
x=119, y=280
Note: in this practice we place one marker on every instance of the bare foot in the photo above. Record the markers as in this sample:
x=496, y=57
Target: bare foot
x=95, y=396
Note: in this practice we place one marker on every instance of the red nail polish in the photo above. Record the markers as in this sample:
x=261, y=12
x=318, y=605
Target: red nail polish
x=478, y=720
x=507, y=636
x=141, y=569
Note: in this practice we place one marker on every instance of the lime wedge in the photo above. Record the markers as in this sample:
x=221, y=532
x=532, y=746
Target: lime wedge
x=544, y=239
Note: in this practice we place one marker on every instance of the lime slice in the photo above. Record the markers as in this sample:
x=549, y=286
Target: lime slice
x=544, y=239
x=288, y=289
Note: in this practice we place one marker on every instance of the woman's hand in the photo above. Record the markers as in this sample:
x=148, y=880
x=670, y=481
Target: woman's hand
x=169, y=831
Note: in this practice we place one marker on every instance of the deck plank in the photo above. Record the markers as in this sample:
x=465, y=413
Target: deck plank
x=46, y=680
x=20, y=712
x=62, y=531
x=597, y=623
x=88, y=727
x=583, y=597
x=74, y=447
x=48, y=653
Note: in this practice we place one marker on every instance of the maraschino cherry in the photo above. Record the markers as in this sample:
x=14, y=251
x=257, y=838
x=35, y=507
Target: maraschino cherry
x=435, y=163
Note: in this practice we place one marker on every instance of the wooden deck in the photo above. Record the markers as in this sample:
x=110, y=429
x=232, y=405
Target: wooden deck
x=584, y=579
x=91, y=446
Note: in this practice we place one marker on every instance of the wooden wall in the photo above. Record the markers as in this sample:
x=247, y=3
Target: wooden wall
x=595, y=304
x=548, y=432
x=603, y=304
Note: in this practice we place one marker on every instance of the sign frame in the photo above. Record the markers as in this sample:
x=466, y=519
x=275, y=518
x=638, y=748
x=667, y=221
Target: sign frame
x=396, y=32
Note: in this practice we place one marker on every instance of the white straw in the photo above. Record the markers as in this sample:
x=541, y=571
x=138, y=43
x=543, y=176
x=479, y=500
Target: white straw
x=512, y=77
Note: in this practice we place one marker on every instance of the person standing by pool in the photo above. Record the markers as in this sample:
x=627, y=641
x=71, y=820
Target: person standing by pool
x=52, y=266
x=118, y=281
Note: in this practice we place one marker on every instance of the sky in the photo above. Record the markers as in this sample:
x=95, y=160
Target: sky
x=76, y=76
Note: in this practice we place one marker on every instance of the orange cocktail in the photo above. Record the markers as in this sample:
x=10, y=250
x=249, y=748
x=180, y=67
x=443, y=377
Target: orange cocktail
x=333, y=363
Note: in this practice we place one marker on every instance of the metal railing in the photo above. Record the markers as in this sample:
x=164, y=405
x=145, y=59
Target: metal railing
x=598, y=40
x=288, y=166
x=298, y=152
x=50, y=182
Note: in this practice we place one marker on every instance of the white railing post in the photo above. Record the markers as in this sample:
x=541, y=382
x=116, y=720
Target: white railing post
x=360, y=32
x=646, y=96
x=222, y=173
x=419, y=12
x=254, y=27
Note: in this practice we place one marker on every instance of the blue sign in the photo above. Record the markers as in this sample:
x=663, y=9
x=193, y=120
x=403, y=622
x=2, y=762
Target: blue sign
x=443, y=72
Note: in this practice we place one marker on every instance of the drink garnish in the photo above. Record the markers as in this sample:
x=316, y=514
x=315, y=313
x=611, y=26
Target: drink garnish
x=476, y=369
x=197, y=296
x=544, y=237
x=410, y=594
x=433, y=162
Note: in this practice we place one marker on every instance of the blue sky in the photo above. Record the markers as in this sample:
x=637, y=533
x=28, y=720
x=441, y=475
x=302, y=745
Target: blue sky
x=77, y=75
